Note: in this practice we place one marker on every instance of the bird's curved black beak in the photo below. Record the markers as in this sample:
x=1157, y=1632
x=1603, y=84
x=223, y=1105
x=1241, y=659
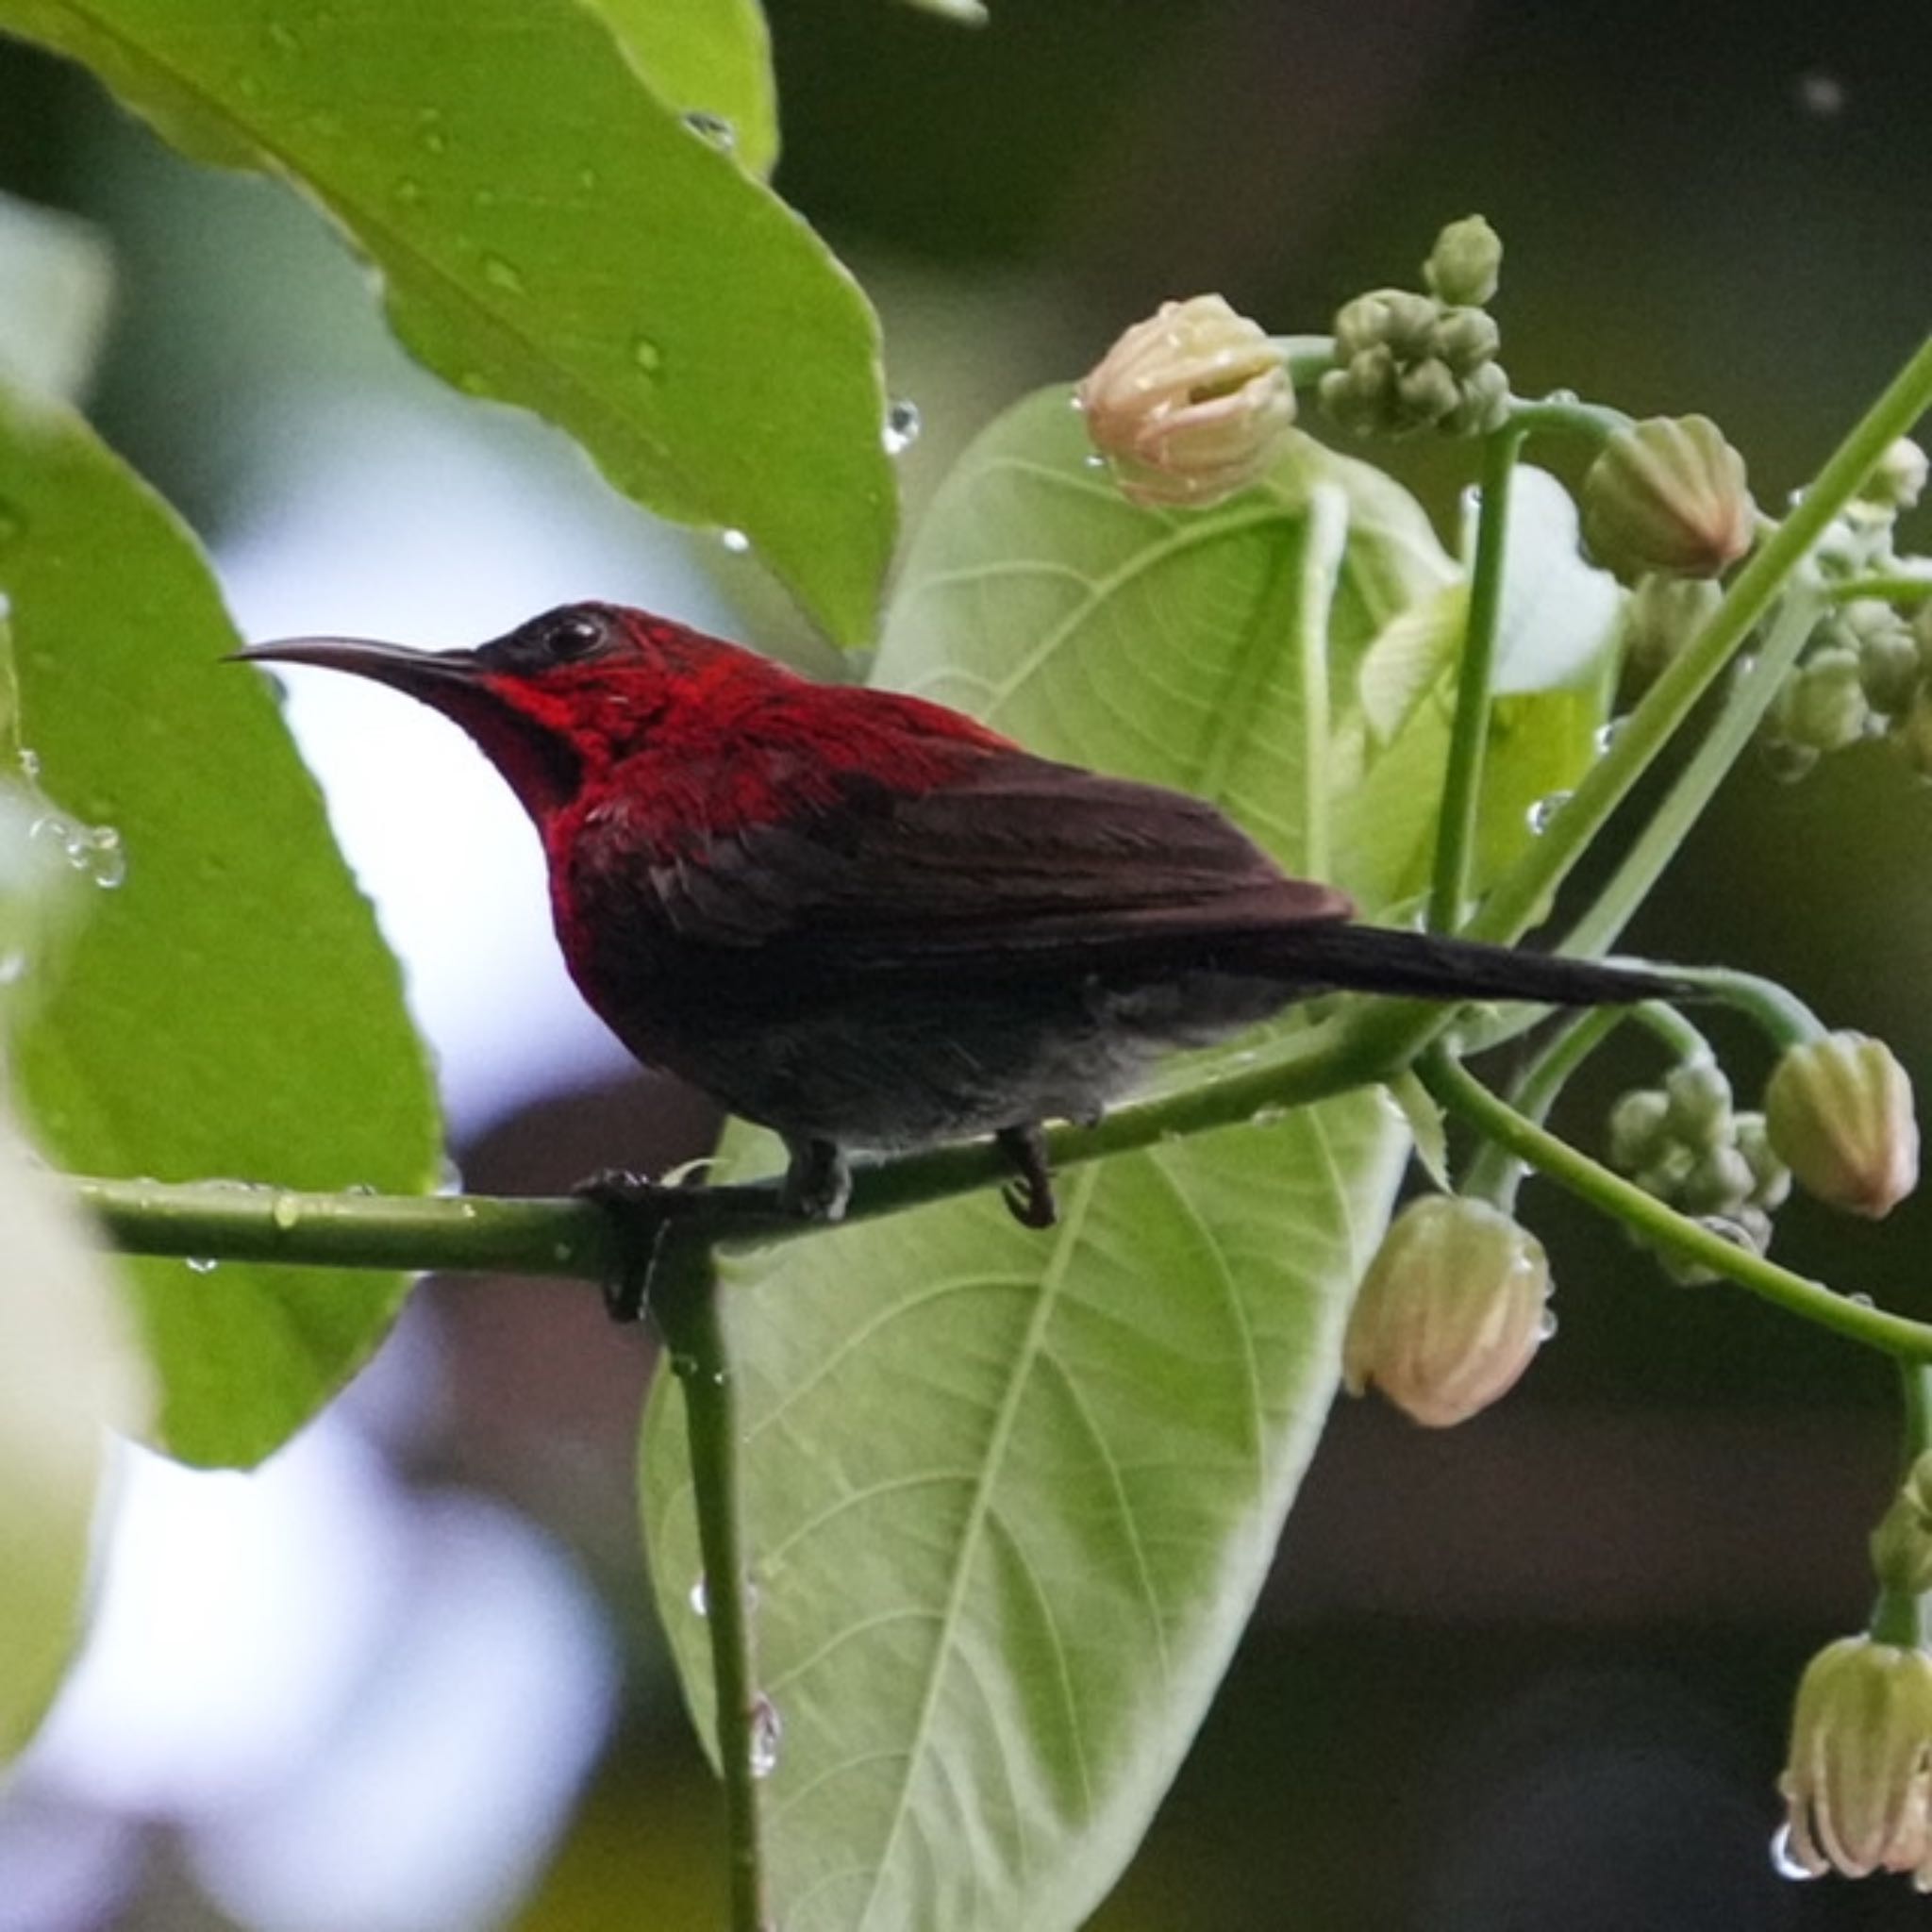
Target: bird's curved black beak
x=421, y=674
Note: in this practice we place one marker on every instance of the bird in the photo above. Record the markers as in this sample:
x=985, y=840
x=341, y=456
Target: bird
x=872, y=923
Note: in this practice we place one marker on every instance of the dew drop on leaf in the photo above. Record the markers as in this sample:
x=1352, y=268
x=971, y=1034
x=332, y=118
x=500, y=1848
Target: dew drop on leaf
x=502, y=274
x=902, y=426
x=713, y=128
x=767, y=1732
x=1542, y=814
x=735, y=540
x=647, y=355
x=698, y=1599
x=202, y=1264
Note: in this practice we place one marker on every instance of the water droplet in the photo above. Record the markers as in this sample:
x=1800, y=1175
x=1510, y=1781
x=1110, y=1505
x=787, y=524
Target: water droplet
x=698, y=1599
x=1563, y=398
x=1542, y=814
x=286, y=1213
x=202, y=1264
x=409, y=192
x=29, y=763
x=104, y=859
x=1546, y=1324
x=902, y=428
x=1270, y=1114
x=735, y=540
x=500, y=274
x=647, y=355
x=1607, y=734
x=12, y=966
x=713, y=128
x=1076, y=404
x=1861, y=1301
x=1094, y=462
x=1785, y=1861
x=767, y=1732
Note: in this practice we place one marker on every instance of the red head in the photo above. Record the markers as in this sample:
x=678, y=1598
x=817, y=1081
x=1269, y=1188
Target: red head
x=559, y=701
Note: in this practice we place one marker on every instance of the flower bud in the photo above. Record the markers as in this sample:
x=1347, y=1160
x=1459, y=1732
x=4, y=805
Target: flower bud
x=1190, y=405
x=1839, y=1112
x=1823, y=705
x=1466, y=339
x=1484, y=404
x=1668, y=494
x=1638, y=1129
x=1428, y=392
x=1771, y=1179
x=1700, y=1103
x=1466, y=262
x=1451, y=1310
x=1664, y=613
x=1898, y=479
x=1902, y=1543
x=1857, y=1785
x=1889, y=667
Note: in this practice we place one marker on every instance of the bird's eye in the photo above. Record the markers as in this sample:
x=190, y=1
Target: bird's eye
x=572, y=637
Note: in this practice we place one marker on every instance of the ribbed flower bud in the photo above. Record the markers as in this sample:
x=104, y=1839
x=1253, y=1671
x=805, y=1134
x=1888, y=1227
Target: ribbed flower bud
x=1466, y=262
x=1451, y=1311
x=1668, y=494
x=1857, y=1784
x=1190, y=405
x=1899, y=478
x=1839, y=1112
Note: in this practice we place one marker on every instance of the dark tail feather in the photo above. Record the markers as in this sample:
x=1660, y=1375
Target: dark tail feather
x=1376, y=958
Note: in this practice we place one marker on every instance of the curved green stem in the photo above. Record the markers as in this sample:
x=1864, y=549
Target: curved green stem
x=1495, y=1173
x=1777, y=1012
x=1888, y=587
x=1674, y=1233
x=1566, y=416
x=687, y=1303
x=1462, y=783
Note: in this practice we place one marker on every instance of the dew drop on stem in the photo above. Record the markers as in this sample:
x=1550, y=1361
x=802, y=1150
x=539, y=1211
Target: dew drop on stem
x=698, y=1597
x=1542, y=814
x=1546, y=1325
x=1784, y=1861
x=202, y=1264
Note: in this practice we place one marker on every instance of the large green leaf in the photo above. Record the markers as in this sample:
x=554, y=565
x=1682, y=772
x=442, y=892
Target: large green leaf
x=707, y=56
x=228, y=1008
x=549, y=232
x=1010, y=1496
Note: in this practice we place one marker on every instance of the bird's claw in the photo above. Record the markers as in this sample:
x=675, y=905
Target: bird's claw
x=1029, y=1198
x=818, y=1182
x=630, y=1198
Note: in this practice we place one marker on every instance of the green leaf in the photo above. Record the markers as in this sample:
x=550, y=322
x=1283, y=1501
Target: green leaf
x=706, y=56
x=228, y=1008
x=1010, y=1496
x=68, y=1369
x=550, y=233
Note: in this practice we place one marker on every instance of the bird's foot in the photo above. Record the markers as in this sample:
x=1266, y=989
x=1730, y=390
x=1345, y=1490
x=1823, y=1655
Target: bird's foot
x=1029, y=1199
x=818, y=1182
x=642, y=1209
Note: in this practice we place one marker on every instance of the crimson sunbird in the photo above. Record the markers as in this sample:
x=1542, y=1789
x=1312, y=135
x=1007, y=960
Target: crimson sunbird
x=868, y=922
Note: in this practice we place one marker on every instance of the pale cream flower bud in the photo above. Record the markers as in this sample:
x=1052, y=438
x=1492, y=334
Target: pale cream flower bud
x=1190, y=405
x=1668, y=494
x=1839, y=1112
x=1857, y=1786
x=1452, y=1309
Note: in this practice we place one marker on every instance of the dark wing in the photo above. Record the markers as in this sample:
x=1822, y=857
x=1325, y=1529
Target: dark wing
x=1017, y=860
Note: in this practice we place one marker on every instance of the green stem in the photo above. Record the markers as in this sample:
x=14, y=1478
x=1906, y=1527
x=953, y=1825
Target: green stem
x=1566, y=416
x=1663, y=1022
x=1777, y=1012
x=688, y=1312
x=1462, y=784
x=1674, y=1233
x=1309, y=358
x=1891, y=587
x=1495, y=1173
x=1670, y=824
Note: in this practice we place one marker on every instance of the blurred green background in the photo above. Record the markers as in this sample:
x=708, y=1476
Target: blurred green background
x=1537, y=1670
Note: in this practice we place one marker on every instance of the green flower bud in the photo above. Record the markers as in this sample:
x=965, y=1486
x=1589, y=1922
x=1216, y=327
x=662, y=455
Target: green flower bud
x=1190, y=405
x=1857, y=1784
x=1466, y=262
x=1668, y=494
x=1451, y=1311
x=1720, y=1184
x=1888, y=666
x=1839, y=1110
x=1466, y=339
x=1822, y=705
x=1902, y=1543
x=1485, y=403
x=1637, y=1133
x=1899, y=480
x=1662, y=615
x=1771, y=1179
x=1428, y=392
x=1787, y=763
x=1700, y=1103
x=1397, y=318
x=1666, y=1172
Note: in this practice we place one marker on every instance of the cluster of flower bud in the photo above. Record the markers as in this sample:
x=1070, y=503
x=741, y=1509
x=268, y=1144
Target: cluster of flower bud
x=1867, y=670
x=1190, y=405
x=1408, y=361
x=1686, y=1145
x=1452, y=1310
